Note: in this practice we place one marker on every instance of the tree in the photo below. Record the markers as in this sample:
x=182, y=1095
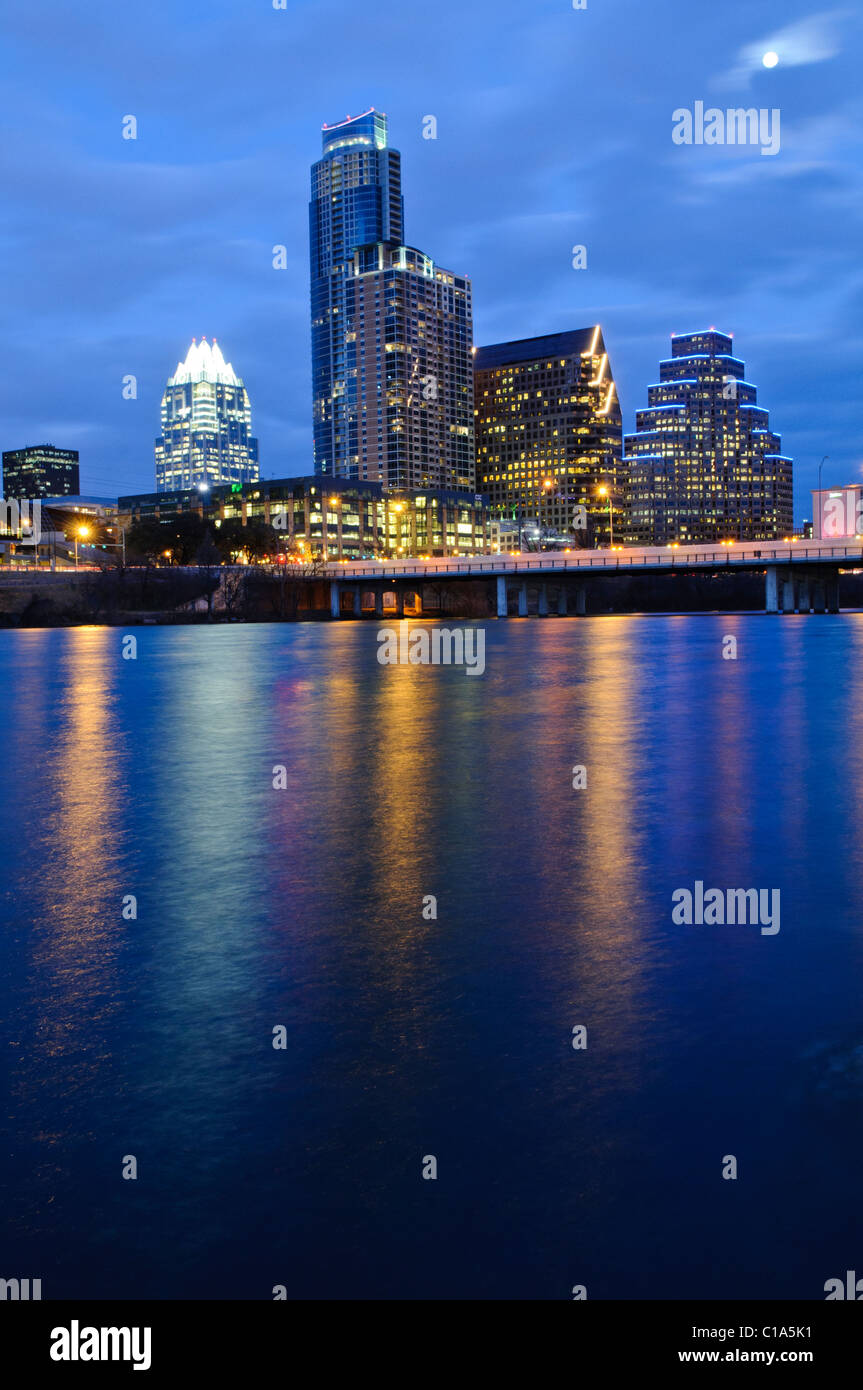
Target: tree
x=255, y=540
x=176, y=539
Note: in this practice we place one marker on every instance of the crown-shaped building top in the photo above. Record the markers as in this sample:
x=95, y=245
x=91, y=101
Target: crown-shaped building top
x=204, y=362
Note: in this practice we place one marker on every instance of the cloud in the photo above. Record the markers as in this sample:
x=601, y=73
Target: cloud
x=812, y=40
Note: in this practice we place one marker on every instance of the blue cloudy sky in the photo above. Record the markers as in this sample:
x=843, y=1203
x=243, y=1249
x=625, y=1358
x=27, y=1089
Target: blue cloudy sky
x=554, y=128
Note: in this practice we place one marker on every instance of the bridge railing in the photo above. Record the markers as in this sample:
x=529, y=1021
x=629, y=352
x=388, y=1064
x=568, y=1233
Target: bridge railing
x=767, y=553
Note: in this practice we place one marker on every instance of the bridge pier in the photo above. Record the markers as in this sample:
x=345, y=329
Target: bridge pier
x=502, y=609
x=379, y=601
x=804, y=597
x=820, y=597
x=335, y=599
x=832, y=585
x=771, y=585
x=543, y=600
x=561, y=601
x=580, y=602
x=358, y=601
x=522, y=599
x=788, y=595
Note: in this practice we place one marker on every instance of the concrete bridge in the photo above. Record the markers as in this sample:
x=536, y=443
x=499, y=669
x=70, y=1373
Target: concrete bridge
x=799, y=576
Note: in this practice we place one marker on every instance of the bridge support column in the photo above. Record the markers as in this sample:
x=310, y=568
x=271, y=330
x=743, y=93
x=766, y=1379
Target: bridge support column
x=580, y=602
x=502, y=609
x=833, y=593
x=522, y=599
x=788, y=595
x=400, y=603
x=771, y=600
x=820, y=603
x=335, y=599
x=358, y=601
x=561, y=601
x=543, y=600
x=379, y=602
x=804, y=595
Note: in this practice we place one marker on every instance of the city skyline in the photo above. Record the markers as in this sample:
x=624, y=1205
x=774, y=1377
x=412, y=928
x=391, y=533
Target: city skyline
x=144, y=276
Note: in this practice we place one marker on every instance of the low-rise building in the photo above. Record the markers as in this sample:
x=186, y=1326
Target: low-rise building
x=335, y=518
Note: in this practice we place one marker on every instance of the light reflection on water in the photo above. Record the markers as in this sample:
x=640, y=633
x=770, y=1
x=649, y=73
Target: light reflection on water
x=303, y=907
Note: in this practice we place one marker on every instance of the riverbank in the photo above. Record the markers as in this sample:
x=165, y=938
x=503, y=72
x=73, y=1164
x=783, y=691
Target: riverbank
x=198, y=594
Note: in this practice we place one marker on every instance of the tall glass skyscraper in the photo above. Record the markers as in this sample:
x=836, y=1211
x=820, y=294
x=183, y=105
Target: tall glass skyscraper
x=548, y=432
x=206, y=424
x=704, y=464
x=391, y=330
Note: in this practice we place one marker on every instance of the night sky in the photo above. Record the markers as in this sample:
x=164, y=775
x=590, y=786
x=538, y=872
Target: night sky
x=554, y=129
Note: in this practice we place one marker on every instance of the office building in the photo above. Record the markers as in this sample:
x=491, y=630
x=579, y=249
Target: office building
x=704, y=464
x=206, y=434
x=41, y=470
x=548, y=434
x=335, y=518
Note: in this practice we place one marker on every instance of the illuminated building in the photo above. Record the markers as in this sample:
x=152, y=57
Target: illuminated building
x=548, y=432
x=704, y=464
x=206, y=424
x=336, y=518
x=391, y=330
x=40, y=471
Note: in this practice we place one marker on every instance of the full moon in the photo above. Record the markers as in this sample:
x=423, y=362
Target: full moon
x=770, y=60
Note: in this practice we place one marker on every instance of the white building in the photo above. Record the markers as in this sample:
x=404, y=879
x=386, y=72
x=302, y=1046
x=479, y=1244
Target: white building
x=206, y=424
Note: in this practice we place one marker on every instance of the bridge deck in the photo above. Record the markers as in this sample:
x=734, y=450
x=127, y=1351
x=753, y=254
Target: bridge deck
x=755, y=555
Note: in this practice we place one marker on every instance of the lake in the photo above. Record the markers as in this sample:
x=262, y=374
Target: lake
x=307, y=907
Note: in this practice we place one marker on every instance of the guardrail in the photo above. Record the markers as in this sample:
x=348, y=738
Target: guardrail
x=768, y=553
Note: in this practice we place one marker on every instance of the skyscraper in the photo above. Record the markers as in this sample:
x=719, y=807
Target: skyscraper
x=391, y=330
x=206, y=424
x=704, y=464
x=548, y=432
x=41, y=470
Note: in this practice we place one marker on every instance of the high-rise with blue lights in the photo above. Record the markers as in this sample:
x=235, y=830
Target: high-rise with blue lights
x=392, y=331
x=704, y=464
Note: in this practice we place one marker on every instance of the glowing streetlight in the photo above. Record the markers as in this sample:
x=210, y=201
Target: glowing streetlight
x=81, y=533
x=603, y=491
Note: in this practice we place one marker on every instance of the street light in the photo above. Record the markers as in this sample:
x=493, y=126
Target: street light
x=604, y=491
x=81, y=533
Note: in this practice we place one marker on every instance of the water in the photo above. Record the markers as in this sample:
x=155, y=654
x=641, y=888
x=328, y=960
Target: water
x=303, y=907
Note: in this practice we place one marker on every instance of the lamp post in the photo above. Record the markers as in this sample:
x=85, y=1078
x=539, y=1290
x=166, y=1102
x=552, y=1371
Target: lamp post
x=604, y=491
x=81, y=532
x=820, y=508
x=547, y=487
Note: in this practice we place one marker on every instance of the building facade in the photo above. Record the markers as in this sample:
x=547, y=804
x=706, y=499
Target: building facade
x=40, y=471
x=335, y=518
x=548, y=434
x=704, y=464
x=206, y=434
x=391, y=330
